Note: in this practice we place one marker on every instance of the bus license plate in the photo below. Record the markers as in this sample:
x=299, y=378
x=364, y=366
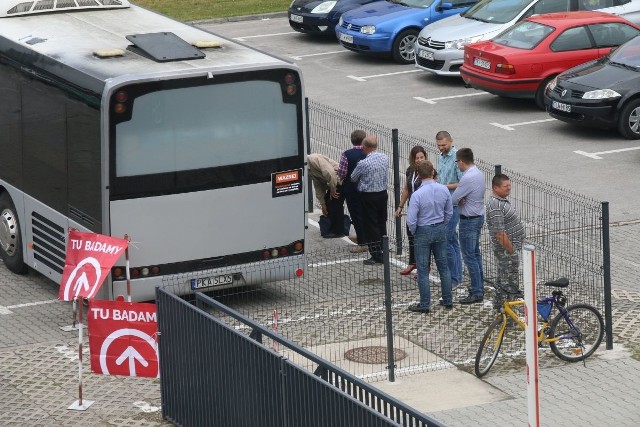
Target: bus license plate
x=296, y=18
x=207, y=282
x=346, y=38
x=425, y=54
x=560, y=106
x=481, y=63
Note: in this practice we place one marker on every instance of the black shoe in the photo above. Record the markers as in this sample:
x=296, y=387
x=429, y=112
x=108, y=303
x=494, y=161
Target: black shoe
x=333, y=236
x=447, y=306
x=371, y=261
x=471, y=299
x=417, y=309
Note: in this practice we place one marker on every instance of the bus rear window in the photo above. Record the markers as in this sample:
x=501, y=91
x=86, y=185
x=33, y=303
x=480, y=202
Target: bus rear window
x=200, y=127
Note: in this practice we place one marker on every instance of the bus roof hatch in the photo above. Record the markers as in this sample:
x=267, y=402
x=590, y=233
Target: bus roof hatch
x=163, y=47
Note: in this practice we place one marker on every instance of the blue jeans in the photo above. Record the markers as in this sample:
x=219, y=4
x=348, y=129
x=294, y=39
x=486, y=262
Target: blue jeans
x=453, y=248
x=428, y=239
x=470, y=246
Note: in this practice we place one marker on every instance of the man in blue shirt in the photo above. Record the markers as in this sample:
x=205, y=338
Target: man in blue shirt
x=370, y=175
x=449, y=175
x=430, y=209
x=469, y=196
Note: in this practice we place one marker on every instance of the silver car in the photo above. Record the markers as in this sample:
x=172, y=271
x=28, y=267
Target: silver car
x=440, y=46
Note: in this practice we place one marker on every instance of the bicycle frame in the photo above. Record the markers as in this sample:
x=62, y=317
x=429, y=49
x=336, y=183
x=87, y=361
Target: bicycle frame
x=544, y=324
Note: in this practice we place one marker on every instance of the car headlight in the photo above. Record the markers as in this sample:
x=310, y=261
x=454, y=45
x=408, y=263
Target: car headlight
x=340, y=21
x=601, y=94
x=324, y=7
x=552, y=84
x=291, y=5
x=460, y=43
x=368, y=29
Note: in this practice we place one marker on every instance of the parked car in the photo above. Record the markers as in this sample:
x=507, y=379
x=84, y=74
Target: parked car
x=519, y=62
x=319, y=16
x=604, y=93
x=440, y=46
x=391, y=27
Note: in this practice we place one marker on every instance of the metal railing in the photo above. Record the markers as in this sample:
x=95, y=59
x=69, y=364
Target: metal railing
x=217, y=375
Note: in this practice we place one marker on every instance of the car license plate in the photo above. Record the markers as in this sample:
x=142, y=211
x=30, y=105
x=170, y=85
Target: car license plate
x=296, y=18
x=482, y=63
x=207, y=282
x=346, y=38
x=560, y=106
x=425, y=54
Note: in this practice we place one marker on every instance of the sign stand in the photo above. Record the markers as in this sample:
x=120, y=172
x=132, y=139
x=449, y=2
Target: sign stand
x=126, y=256
x=531, y=333
x=79, y=405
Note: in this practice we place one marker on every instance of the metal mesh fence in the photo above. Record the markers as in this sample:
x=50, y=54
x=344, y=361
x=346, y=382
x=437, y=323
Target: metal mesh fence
x=564, y=226
x=337, y=310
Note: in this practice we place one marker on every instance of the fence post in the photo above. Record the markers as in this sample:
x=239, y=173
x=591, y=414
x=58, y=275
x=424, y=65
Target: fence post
x=309, y=183
x=497, y=169
x=387, y=304
x=606, y=259
x=396, y=188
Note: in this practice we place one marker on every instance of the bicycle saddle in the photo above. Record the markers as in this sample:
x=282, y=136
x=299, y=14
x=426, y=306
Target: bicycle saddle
x=562, y=282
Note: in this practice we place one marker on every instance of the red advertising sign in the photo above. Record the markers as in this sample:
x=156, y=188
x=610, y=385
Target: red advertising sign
x=123, y=338
x=89, y=258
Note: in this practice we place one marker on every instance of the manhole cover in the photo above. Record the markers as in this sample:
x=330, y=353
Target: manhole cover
x=372, y=354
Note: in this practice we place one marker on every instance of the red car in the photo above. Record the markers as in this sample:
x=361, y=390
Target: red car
x=520, y=61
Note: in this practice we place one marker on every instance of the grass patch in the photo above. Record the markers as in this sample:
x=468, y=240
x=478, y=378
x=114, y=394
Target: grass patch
x=635, y=354
x=193, y=10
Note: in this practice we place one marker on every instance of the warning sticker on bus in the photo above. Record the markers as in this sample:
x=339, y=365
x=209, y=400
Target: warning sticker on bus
x=286, y=183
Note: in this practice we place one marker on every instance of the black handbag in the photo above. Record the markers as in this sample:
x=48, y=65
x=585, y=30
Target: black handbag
x=325, y=225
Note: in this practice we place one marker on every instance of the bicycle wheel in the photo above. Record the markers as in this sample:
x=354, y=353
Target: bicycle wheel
x=580, y=332
x=490, y=346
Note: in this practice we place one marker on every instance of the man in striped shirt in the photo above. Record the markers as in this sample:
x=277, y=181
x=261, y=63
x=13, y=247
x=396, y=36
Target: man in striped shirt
x=507, y=235
x=370, y=175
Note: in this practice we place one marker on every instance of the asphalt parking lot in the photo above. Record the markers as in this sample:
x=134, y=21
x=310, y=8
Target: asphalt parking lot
x=510, y=132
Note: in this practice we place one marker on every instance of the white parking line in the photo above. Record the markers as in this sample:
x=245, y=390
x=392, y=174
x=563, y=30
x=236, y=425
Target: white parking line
x=7, y=309
x=241, y=39
x=434, y=100
x=596, y=156
x=298, y=58
x=373, y=76
x=512, y=126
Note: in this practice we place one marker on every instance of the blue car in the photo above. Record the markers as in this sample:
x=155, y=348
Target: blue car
x=319, y=16
x=391, y=27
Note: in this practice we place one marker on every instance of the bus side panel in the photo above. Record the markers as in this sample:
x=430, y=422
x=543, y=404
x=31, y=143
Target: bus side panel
x=45, y=238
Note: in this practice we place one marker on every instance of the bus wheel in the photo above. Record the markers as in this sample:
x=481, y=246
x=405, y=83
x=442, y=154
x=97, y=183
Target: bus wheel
x=10, y=237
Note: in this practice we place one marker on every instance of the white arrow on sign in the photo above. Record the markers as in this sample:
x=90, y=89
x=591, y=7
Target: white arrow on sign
x=131, y=354
x=82, y=280
x=123, y=333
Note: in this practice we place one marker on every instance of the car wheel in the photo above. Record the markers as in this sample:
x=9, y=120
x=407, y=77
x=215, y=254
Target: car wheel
x=540, y=92
x=10, y=236
x=629, y=120
x=403, y=46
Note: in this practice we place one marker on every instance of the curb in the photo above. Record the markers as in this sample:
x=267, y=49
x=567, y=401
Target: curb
x=259, y=16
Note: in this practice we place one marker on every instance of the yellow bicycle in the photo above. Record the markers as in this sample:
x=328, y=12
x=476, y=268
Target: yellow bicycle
x=573, y=334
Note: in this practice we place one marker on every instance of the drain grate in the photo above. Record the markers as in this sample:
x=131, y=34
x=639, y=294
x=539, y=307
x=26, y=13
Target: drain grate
x=373, y=354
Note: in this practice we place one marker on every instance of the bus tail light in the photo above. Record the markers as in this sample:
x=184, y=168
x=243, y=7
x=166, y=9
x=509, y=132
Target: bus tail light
x=120, y=273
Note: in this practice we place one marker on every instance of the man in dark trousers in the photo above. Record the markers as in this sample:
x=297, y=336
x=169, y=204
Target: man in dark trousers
x=328, y=192
x=348, y=162
x=371, y=175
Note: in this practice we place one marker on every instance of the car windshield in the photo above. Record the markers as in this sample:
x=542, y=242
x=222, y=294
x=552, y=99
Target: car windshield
x=525, y=35
x=628, y=54
x=414, y=3
x=496, y=11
